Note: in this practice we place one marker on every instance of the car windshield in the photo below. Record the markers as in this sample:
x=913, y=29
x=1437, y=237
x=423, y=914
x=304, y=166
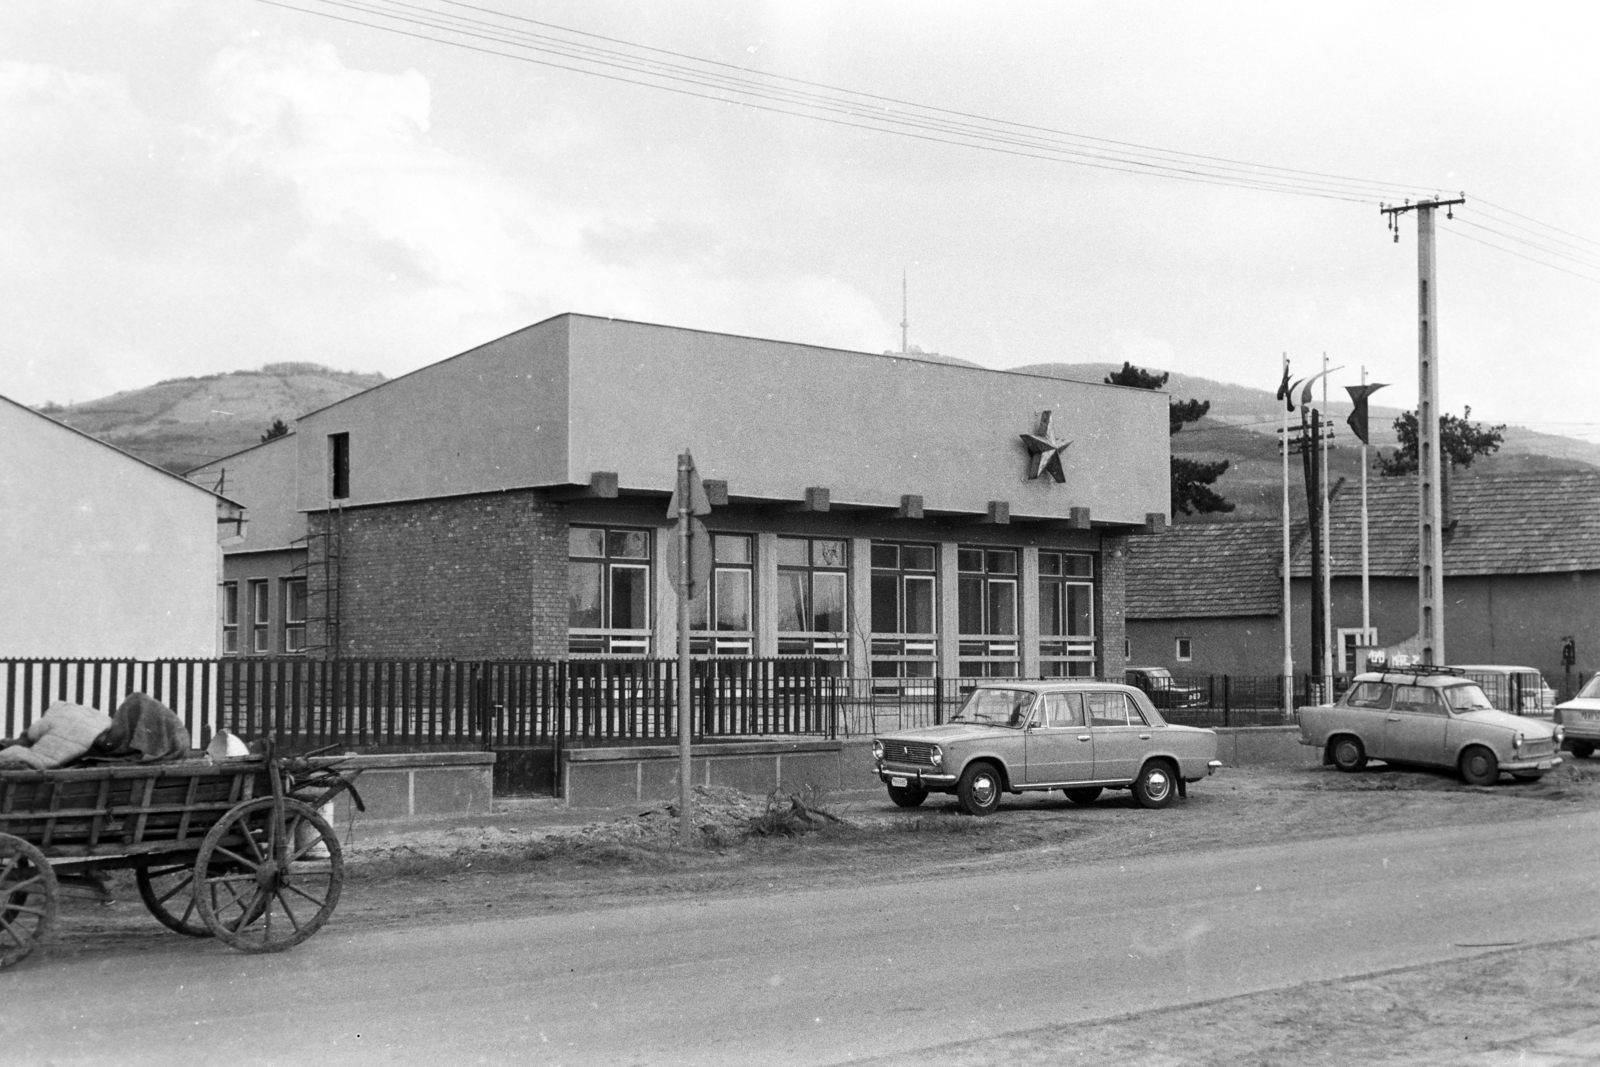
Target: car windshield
x=1591, y=691
x=1466, y=698
x=997, y=707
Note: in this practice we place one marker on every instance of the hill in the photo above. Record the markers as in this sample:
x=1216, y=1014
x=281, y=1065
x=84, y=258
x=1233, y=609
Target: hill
x=184, y=422
x=1242, y=427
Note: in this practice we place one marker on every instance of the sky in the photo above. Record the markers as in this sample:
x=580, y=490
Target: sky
x=200, y=186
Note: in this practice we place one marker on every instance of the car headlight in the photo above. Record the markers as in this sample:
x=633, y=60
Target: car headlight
x=1517, y=742
x=936, y=757
x=1559, y=737
x=877, y=749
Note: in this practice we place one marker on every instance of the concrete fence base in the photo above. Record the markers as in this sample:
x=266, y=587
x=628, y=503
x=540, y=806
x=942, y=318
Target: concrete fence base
x=419, y=785
x=603, y=776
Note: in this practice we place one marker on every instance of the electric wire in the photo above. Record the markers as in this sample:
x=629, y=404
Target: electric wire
x=839, y=111
x=1520, y=255
x=707, y=79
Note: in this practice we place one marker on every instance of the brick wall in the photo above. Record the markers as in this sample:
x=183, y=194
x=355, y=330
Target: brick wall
x=1112, y=592
x=464, y=577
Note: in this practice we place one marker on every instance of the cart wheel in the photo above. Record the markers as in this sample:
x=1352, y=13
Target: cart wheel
x=164, y=886
x=250, y=900
x=28, y=899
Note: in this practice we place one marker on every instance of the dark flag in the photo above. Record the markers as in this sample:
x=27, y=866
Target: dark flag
x=1358, y=417
x=1285, y=390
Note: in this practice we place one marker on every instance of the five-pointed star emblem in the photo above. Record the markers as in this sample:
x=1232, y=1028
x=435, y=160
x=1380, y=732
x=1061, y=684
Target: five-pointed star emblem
x=1044, y=451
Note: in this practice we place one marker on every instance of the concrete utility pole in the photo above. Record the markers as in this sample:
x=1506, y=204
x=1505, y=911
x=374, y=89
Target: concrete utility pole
x=1288, y=600
x=905, y=312
x=1430, y=531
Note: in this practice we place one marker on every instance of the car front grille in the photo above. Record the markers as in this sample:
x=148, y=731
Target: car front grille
x=915, y=753
x=1537, y=750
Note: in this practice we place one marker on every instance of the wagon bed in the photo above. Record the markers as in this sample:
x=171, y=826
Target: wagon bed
x=236, y=849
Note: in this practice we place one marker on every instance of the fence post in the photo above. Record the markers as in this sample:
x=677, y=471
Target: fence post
x=1227, y=698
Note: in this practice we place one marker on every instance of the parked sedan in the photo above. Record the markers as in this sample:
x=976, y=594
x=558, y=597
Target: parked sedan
x=1429, y=715
x=1579, y=718
x=1014, y=737
x=1162, y=688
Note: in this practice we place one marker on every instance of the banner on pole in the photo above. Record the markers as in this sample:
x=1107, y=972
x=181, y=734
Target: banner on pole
x=1358, y=417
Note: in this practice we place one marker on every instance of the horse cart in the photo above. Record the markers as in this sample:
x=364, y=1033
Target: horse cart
x=235, y=849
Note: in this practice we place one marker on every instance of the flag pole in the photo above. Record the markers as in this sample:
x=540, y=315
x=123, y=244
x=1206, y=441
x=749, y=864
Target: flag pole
x=1327, y=553
x=1366, y=574
x=685, y=686
x=1288, y=644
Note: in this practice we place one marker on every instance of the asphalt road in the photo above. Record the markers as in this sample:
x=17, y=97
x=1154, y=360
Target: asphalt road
x=819, y=977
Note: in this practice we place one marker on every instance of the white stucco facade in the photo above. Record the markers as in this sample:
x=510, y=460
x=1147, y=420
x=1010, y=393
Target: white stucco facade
x=101, y=554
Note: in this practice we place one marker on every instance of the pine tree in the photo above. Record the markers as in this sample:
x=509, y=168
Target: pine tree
x=1191, y=478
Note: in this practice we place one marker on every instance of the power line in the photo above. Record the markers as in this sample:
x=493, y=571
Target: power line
x=986, y=134
x=1519, y=255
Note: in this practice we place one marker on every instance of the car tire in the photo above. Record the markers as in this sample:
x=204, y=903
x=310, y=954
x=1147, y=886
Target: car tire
x=1156, y=785
x=1479, y=766
x=1348, y=754
x=978, y=792
x=1582, y=749
x=907, y=796
x=1084, y=794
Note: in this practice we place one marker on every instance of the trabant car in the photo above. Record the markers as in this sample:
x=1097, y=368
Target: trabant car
x=1013, y=737
x=1579, y=718
x=1429, y=715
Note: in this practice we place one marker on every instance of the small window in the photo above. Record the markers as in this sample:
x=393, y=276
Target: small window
x=230, y=617
x=1185, y=650
x=260, y=617
x=339, y=465
x=294, y=615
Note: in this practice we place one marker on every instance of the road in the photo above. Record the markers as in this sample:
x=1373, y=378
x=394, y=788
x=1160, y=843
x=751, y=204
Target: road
x=818, y=977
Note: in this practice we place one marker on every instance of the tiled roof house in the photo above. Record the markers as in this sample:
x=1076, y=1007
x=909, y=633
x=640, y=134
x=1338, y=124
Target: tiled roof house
x=1522, y=572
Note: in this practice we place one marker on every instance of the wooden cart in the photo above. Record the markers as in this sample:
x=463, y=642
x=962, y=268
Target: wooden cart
x=235, y=849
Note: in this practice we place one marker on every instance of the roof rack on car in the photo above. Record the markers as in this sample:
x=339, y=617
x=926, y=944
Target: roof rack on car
x=1420, y=669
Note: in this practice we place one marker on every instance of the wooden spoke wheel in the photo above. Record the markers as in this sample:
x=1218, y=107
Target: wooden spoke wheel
x=262, y=885
x=29, y=898
x=167, y=890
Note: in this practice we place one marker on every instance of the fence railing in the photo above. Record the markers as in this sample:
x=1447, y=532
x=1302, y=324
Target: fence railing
x=306, y=703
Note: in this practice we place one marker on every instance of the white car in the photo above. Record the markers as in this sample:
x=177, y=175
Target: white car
x=1580, y=719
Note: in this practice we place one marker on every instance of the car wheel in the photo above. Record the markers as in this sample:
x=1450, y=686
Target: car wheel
x=1582, y=749
x=978, y=792
x=907, y=796
x=1154, y=788
x=1479, y=767
x=1085, y=795
x=1349, y=755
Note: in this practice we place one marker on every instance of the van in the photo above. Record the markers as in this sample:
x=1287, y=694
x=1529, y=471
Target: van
x=1516, y=690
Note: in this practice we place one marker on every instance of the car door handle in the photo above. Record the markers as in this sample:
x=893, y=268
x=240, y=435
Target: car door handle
x=1084, y=737
x=1144, y=737
x=1394, y=718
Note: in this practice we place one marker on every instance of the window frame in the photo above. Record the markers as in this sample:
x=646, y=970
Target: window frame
x=1064, y=574
x=339, y=466
x=259, y=605
x=984, y=575
x=1183, y=649
x=903, y=653
x=608, y=639
x=707, y=635
x=294, y=629
x=230, y=618
x=808, y=640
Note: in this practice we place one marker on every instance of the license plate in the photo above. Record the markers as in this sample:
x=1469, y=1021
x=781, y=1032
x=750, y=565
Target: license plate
x=898, y=783
x=1544, y=765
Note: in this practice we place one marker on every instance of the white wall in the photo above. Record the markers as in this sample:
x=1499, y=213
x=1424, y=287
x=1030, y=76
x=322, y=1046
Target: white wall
x=100, y=555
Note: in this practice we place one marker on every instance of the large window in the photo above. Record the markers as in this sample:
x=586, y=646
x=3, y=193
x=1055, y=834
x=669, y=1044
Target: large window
x=608, y=591
x=987, y=599
x=260, y=617
x=905, y=641
x=1066, y=614
x=722, y=621
x=230, y=617
x=813, y=580
x=294, y=614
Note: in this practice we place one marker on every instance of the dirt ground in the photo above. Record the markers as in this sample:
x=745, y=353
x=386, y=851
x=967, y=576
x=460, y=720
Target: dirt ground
x=1478, y=1011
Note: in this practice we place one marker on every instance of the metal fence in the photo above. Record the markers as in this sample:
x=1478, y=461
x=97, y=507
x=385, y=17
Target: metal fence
x=871, y=706
x=306, y=703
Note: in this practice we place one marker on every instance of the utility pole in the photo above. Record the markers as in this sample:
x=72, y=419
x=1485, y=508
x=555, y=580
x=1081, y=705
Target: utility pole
x=1286, y=394
x=1328, y=658
x=1430, y=531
